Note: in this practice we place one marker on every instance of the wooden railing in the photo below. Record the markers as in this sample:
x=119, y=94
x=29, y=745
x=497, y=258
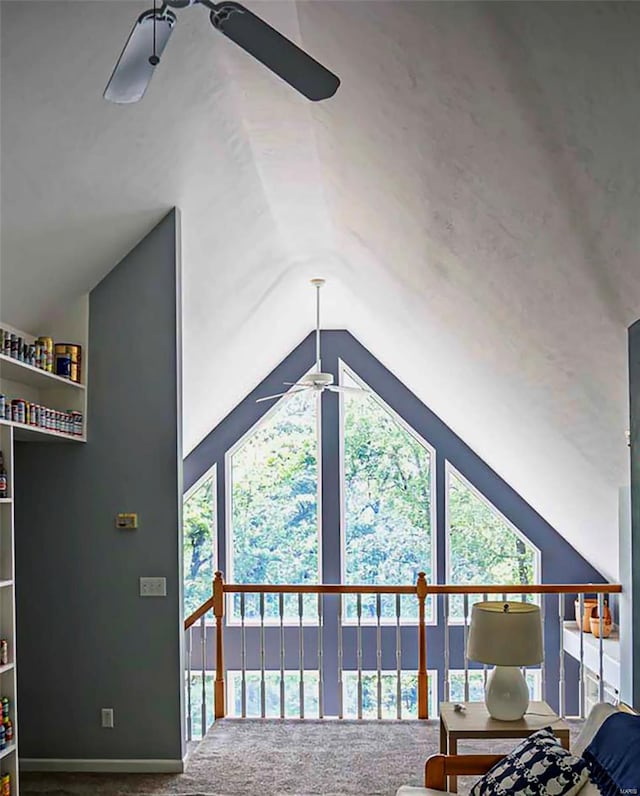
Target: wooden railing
x=421, y=590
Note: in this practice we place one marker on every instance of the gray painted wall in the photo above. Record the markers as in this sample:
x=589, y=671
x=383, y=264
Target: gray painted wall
x=630, y=531
x=86, y=639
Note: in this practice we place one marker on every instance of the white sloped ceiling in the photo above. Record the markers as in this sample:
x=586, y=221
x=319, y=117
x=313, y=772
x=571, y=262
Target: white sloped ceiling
x=471, y=193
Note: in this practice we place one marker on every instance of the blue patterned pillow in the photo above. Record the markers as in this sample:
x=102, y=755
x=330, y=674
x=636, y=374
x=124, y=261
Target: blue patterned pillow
x=538, y=766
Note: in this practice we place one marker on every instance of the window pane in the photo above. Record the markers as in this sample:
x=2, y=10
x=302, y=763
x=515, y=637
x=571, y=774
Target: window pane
x=388, y=694
x=483, y=547
x=387, y=493
x=198, y=540
x=272, y=694
x=274, y=535
x=476, y=684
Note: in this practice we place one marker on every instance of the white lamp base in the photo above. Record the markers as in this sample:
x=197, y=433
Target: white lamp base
x=507, y=694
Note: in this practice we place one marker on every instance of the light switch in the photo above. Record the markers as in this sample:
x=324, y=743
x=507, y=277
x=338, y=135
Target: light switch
x=153, y=587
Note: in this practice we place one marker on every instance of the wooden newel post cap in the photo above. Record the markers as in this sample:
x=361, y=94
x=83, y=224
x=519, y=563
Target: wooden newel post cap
x=421, y=585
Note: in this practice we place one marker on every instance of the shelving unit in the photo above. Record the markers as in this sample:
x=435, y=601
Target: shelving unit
x=20, y=380
x=8, y=755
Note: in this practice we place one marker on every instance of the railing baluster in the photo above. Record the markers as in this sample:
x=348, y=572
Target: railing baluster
x=581, y=634
x=561, y=683
x=301, y=650
x=189, y=645
x=203, y=696
x=398, y=660
x=423, y=677
x=243, y=656
x=447, y=688
x=340, y=661
x=320, y=660
x=282, y=689
x=219, y=701
x=263, y=689
x=359, y=651
x=466, y=635
x=379, y=654
x=601, y=646
x=543, y=667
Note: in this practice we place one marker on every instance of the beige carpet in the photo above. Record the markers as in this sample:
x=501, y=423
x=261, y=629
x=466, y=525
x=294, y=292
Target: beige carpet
x=282, y=758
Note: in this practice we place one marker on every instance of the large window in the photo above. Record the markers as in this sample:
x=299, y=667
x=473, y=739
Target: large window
x=387, y=493
x=483, y=547
x=199, y=533
x=274, y=501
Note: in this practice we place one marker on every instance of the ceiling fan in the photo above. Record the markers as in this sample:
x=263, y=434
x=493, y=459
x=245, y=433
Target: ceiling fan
x=153, y=28
x=315, y=381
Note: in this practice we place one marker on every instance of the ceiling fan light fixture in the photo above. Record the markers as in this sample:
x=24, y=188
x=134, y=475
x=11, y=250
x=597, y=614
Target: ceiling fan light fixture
x=316, y=380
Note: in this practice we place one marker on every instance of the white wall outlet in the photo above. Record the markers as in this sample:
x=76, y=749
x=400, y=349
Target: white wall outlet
x=107, y=717
x=153, y=587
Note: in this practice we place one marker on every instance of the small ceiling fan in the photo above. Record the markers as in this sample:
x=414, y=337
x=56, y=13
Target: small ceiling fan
x=153, y=28
x=316, y=380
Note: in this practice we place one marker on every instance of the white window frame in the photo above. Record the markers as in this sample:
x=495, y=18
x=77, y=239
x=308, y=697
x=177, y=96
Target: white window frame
x=210, y=474
x=449, y=470
x=432, y=620
x=230, y=618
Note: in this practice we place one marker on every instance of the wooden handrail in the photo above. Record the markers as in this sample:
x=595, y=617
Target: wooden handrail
x=203, y=609
x=519, y=588
x=319, y=588
x=432, y=588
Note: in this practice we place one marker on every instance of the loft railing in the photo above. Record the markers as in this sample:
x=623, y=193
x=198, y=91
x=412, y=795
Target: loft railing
x=454, y=623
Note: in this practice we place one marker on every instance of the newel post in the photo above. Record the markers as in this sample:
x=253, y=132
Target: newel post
x=218, y=610
x=423, y=685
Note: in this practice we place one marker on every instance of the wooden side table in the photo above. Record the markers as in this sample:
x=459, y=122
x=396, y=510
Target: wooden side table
x=475, y=722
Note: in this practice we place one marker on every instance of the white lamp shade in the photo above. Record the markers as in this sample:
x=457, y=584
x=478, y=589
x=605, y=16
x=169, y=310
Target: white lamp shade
x=505, y=634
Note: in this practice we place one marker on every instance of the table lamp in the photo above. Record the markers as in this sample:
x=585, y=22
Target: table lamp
x=508, y=635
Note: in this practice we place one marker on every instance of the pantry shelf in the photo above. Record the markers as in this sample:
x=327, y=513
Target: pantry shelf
x=24, y=433
x=9, y=749
x=7, y=667
x=14, y=370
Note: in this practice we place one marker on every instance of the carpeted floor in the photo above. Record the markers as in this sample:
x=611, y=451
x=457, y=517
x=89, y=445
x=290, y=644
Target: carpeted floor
x=282, y=758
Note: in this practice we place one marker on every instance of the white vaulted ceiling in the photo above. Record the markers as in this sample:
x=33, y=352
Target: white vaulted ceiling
x=471, y=193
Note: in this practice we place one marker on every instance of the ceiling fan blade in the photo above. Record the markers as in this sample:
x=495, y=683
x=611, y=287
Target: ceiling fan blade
x=275, y=51
x=341, y=388
x=134, y=70
x=278, y=395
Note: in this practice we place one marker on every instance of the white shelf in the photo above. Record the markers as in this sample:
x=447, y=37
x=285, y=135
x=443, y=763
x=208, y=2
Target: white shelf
x=5, y=583
x=9, y=748
x=6, y=668
x=6, y=500
x=25, y=433
x=591, y=651
x=14, y=370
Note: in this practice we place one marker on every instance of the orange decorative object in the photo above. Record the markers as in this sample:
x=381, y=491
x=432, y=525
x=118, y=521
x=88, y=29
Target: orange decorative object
x=590, y=605
x=606, y=622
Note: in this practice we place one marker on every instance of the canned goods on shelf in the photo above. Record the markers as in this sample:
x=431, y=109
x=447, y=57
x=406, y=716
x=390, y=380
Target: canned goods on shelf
x=4, y=652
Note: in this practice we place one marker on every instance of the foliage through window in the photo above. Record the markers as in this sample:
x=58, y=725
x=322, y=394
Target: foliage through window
x=199, y=524
x=274, y=501
x=483, y=546
x=476, y=685
x=387, y=501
